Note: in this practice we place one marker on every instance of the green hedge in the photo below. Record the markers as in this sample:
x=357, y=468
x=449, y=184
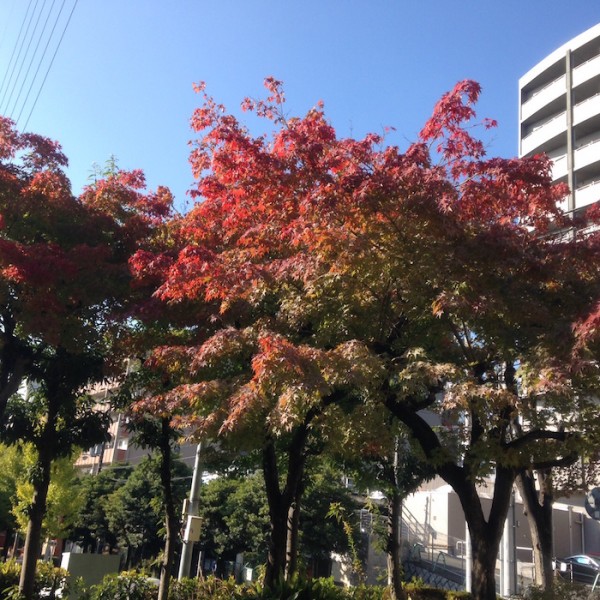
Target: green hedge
x=131, y=585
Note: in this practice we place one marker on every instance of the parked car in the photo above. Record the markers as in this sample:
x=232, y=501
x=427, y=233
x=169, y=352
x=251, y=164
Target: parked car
x=581, y=568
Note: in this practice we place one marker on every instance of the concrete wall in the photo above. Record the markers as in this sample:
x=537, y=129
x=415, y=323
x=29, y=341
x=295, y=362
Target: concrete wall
x=90, y=567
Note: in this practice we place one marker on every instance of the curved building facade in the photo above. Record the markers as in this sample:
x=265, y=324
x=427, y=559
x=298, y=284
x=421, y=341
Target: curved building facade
x=559, y=101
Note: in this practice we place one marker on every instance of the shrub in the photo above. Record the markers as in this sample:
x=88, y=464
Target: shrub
x=368, y=592
x=127, y=585
x=206, y=589
x=51, y=579
x=9, y=576
x=416, y=591
x=48, y=578
x=453, y=595
x=314, y=589
x=562, y=590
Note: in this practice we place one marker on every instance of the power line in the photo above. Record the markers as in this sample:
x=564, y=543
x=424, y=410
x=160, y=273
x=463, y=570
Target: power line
x=37, y=22
x=51, y=63
x=19, y=55
x=6, y=23
x=4, y=80
x=41, y=59
x=31, y=62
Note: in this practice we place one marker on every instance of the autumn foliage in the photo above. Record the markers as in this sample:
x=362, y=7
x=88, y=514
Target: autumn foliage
x=65, y=297
x=320, y=291
x=338, y=277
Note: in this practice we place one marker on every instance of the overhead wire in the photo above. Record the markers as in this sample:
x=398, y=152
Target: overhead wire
x=25, y=37
x=41, y=61
x=24, y=79
x=51, y=63
x=6, y=23
x=8, y=68
x=40, y=38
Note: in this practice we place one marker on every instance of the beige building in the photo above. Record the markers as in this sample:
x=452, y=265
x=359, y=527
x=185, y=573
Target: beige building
x=119, y=450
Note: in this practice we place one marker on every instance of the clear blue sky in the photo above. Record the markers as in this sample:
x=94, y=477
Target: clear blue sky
x=122, y=79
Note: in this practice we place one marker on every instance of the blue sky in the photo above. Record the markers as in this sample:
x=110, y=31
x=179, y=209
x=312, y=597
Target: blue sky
x=121, y=82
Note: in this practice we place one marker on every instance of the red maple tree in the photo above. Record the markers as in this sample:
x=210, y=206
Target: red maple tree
x=335, y=273
x=64, y=285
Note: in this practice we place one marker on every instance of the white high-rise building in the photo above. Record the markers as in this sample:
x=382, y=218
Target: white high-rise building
x=559, y=101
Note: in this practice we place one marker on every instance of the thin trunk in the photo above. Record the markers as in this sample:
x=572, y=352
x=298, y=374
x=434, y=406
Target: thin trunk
x=293, y=527
x=394, y=559
x=31, y=551
x=280, y=502
x=12, y=372
x=46, y=452
x=171, y=520
x=538, y=509
x=275, y=567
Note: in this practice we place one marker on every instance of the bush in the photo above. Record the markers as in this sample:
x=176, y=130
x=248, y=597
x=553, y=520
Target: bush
x=51, y=579
x=48, y=578
x=368, y=592
x=562, y=590
x=298, y=589
x=422, y=592
x=206, y=589
x=452, y=595
x=315, y=589
x=9, y=577
x=127, y=585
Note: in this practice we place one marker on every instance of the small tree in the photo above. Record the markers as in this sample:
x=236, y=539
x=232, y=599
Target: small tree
x=91, y=528
x=11, y=472
x=235, y=515
x=157, y=434
x=139, y=527
x=55, y=419
x=64, y=498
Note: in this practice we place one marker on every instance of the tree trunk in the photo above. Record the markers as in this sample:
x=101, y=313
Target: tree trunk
x=13, y=366
x=31, y=551
x=483, y=576
x=538, y=508
x=15, y=360
x=293, y=526
x=278, y=512
x=485, y=534
x=280, y=503
x=171, y=520
x=393, y=547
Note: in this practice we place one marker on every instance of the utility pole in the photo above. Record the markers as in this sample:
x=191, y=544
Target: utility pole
x=190, y=514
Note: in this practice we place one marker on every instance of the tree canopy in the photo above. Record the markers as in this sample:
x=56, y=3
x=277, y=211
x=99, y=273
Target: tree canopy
x=331, y=274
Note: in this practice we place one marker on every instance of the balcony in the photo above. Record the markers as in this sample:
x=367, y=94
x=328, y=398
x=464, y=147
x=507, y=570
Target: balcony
x=559, y=167
x=543, y=133
x=543, y=96
x=586, y=110
x=587, y=154
x=587, y=194
x=586, y=71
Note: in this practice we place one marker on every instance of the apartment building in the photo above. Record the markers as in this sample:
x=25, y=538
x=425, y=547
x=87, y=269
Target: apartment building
x=120, y=450
x=559, y=101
